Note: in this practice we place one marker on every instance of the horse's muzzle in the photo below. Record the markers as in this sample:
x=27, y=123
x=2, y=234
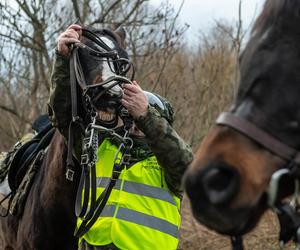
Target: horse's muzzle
x=211, y=191
x=216, y=184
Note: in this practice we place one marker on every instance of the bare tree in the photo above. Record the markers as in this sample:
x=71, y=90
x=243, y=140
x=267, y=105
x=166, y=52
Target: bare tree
x=27, y=34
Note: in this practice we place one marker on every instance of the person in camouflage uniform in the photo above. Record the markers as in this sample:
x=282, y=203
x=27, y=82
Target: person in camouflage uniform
x=162, y=153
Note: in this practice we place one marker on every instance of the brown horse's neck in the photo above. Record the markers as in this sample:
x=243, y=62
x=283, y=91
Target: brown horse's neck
x=50, y=204
x=53, y=171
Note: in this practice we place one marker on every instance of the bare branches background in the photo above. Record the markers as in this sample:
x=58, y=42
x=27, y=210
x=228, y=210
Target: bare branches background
x=28, y=31
x=199, y=79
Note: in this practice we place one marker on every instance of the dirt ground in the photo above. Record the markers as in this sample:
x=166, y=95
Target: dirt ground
x=194, y=236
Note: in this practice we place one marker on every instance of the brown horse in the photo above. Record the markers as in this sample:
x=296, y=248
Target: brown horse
x=48, y=220
x=228, y=179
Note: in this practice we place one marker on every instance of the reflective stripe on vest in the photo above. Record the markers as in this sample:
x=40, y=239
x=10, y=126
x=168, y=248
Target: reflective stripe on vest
x=140, y=213
x=141, y=219
x=139, y=189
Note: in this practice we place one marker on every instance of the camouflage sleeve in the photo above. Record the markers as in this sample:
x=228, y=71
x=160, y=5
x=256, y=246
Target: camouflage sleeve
x=59, y=106
x=172, y=153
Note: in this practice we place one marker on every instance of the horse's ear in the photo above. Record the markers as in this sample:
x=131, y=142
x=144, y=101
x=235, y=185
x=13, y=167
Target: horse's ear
x=121, y=33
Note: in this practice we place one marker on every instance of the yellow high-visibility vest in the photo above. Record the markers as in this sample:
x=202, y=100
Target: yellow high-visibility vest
x=141, y=213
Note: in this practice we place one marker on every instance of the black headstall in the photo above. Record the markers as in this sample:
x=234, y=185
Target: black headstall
x=94, y=98
x=102, y=96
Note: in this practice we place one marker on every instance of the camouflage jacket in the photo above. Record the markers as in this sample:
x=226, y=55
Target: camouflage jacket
x=172, y=153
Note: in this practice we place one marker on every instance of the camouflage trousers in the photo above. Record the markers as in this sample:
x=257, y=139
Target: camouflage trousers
x=85, y=246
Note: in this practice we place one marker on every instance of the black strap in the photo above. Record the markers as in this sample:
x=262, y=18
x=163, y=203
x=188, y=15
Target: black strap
x=96, y=39
x=75, y=122
x=82, y=205
x=101, y=202
x=289, y=220
x=93, y=191
x=90, y=208
x=87, y=223
x=237, y=242
x=87, y=185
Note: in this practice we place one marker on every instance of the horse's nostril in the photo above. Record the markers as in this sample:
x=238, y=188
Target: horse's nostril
x=217, y=179
x=220, y=184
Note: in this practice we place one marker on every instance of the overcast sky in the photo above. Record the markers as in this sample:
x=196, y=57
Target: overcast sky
x=200, y=14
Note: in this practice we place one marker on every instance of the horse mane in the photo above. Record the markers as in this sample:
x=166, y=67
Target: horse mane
x=273, y=48
x=282, y=14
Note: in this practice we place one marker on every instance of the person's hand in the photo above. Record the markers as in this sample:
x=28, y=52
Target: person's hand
x=134, y=100
x=71, y=35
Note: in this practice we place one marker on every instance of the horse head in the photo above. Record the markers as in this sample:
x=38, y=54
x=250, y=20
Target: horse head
x=228, y=180
x=100, y=65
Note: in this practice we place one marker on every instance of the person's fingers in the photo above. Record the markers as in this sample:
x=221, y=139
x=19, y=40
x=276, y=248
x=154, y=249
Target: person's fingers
x=63, y=45
x=132, y=88
x=68, y=40
x=125, y=102
x=71, y=33
x=75, y=27
x=135, y=83
x=127, y=98
x=128, y=92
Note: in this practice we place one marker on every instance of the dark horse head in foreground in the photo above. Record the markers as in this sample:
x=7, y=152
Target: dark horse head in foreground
x=228, y=179
x=48, y=220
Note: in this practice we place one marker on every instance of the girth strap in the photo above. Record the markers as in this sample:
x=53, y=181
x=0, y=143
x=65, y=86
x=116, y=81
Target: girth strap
x=260, y=136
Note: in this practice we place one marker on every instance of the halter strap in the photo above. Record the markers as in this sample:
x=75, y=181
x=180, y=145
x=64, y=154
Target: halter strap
x=260, y=136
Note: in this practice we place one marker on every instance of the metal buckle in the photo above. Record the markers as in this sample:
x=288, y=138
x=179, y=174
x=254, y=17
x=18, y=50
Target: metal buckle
x=124, y=112
x=272, y=191
x=84, y=159
x=115, y=175
x=70, y=174
x=126, y=159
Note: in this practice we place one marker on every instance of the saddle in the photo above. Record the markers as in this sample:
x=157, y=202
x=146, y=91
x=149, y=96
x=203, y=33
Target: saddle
x=19, y=166
x=23, y=156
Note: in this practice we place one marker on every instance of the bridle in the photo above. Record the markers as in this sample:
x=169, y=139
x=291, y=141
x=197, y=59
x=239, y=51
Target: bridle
x=87, y=206
x=288, y=214
x=95, y=94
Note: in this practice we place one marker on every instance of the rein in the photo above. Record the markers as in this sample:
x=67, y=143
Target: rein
x=87, y=206
x=288, y=213
x=89, y=216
